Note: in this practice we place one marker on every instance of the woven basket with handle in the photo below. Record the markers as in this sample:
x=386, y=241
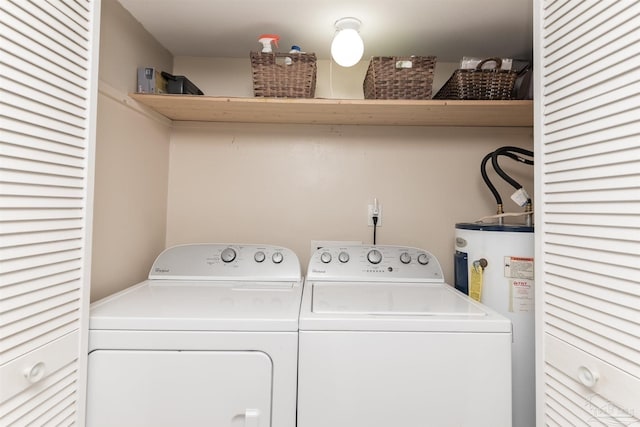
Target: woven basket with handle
x=478, y=83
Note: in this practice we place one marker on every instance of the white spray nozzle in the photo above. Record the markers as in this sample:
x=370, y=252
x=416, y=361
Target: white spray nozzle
x=266, y=40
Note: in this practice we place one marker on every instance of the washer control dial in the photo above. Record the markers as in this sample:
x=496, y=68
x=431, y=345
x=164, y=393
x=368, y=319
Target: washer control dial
x=423, y=259
x=374, y=256
x=259, y=256
x=325, y=257
x=343, y=257
x=228, y=255
x=405, y=258
x=277, y=257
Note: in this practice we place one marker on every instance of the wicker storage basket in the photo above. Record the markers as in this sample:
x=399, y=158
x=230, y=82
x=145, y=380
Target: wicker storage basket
x=399, y=77
x=274, y=78
x=477, y=83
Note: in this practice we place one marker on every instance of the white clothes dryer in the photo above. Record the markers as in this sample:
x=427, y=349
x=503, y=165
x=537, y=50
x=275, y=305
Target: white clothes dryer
x=384, y=341
x=211, y=338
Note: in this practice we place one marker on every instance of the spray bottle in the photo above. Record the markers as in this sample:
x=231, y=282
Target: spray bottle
x=266, y=40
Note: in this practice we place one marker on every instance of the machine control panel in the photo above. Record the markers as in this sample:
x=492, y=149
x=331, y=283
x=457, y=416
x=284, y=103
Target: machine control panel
x=209, y=261
x=374, y=263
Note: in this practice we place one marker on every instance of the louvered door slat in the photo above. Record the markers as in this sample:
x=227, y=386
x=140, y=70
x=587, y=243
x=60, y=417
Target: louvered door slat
x=29, y=227
x=39, y=64
x=45, y=45
x=39, y=215
x=47, y=107
x=22, y=239
x=26, y=130
x=588, y=211
x=608, y=122
x=47, y=131
x=61, y=184
x=62, y=411
x=573, y=38
x=37, y=284
x=605, y=286
x=40, y=334
x=629, y=220
x=31, y=113
x=581, y=84
x=558, y=248
x=51, y=14
x=46, y=34
x=16, y=80
x=15, y=267
x=576, y=307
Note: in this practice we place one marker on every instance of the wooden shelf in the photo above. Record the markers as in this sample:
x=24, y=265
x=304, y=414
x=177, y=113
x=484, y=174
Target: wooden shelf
x=340, y=112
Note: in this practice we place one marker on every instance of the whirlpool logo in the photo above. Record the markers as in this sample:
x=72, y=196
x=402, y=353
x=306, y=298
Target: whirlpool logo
x=161, y=270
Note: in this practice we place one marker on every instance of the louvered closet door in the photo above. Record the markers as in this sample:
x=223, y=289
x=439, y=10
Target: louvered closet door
x=588, y=212
x=47, y=115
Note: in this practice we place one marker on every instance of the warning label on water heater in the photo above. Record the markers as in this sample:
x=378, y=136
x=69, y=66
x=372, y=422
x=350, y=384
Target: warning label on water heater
x=518, y=267
x=519, y=272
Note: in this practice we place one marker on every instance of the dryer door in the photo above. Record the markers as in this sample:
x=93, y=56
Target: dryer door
x=179, y=388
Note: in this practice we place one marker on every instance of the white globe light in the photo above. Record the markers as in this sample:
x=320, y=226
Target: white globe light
x=347, y=47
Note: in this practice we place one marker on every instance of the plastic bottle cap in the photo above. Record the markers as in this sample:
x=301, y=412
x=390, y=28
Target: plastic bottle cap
x=270, y=37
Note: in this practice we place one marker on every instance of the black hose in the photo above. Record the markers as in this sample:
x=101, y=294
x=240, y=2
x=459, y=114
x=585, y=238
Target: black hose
x=485, y=178
x=508, y=151
x=523, y=151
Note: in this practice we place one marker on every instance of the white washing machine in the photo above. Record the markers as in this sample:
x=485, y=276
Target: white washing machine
x=384, y=341
x=210, y=339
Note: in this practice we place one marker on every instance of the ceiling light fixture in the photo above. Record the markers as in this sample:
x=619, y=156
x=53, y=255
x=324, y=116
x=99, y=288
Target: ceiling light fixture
x=347, y=46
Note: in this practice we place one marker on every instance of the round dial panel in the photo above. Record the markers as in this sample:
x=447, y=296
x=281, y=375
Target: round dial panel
x=277, y=257
x=423, y=259
x=374, y=256
x=228, y=255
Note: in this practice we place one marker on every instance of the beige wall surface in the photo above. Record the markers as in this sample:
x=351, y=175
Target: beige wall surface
x=291, y=184
x=132, y=158
x=124, y=46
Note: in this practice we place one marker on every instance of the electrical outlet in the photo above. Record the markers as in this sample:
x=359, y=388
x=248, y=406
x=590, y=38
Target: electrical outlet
x=370, y=215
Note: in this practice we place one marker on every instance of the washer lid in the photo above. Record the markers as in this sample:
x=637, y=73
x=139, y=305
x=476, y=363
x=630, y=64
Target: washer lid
x=377, y=298
x=395, y=307
x=200, y=306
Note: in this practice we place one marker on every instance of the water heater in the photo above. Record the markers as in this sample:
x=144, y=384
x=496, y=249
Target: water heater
x=494, y=264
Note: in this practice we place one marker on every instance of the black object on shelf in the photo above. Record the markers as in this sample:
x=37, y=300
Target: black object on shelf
x=180, y=85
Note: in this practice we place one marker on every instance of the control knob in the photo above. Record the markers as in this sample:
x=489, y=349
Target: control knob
x=374, y=256
x=343, y=257
x=259, y=256
x=423, y=259
x=277, y=258
x=325, y=257
x=228, y=255
x=405, y=258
